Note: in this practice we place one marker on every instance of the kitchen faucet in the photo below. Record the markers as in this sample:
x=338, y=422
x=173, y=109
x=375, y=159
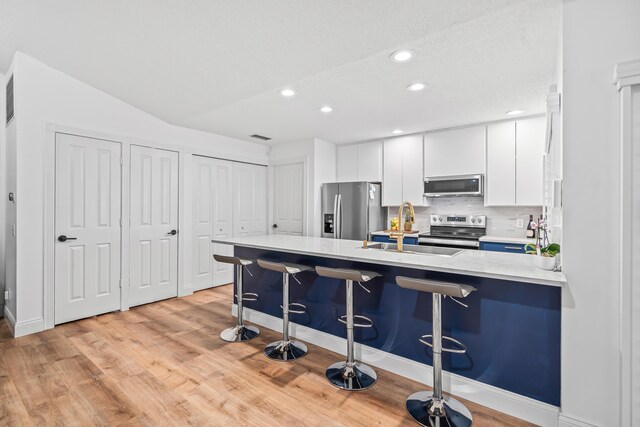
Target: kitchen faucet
x=399, y=235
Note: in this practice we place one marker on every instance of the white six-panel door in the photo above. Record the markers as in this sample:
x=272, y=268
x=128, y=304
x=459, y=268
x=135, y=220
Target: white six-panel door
x=288, y=199
x=153, y=225
x=87, y=215
x=212, y=208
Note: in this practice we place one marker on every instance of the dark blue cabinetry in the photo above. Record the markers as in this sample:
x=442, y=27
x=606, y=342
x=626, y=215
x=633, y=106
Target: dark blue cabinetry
x=406, y=240
x=516, y=248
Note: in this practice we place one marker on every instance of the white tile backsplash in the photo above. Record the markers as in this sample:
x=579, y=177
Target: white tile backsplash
x=501, y=220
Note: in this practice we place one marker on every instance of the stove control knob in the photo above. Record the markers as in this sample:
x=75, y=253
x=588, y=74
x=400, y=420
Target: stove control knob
x=440, y=219
x=473, y=220
x=479, y=220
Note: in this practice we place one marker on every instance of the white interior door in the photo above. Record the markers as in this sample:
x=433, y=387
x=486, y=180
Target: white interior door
x=87, y=223
x=212, y=187
x=243, y=194
x=259, y=200
x=154, y=225
x=288, y=199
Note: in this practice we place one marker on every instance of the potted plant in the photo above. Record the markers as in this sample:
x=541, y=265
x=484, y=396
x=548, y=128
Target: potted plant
x=544, y=251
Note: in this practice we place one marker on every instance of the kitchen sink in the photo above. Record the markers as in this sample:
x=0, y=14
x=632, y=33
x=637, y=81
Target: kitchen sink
x=414, y=249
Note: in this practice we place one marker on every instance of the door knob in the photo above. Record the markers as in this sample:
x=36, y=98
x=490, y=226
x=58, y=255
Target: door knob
x=172, y=232
x=64, y=238
x=274, y=226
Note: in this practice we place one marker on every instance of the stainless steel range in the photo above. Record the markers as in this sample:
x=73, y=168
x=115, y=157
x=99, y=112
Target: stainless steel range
x=455, y=231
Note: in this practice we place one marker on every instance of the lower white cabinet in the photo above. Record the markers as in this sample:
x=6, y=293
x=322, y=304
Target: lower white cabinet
x=403, y=174
x=250, y=200
x=515, y=156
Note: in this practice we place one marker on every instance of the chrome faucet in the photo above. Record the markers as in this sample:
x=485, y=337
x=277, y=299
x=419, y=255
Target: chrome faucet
x=399, y=235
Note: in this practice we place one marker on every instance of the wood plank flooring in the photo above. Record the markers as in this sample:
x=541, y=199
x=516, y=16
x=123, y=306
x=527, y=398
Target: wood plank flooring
x=164, y=364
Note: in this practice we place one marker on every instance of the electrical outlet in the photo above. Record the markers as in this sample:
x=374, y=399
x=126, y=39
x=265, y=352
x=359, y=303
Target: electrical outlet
x=13, y=230
x=520, y=223
x=6, y=295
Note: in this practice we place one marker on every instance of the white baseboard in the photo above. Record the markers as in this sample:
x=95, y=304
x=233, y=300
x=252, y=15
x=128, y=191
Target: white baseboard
x=501, y=400
x=568, y=421
x=10, y=320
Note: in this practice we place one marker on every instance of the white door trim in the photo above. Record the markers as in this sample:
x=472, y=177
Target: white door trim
x=305, y=193
x=627, y=80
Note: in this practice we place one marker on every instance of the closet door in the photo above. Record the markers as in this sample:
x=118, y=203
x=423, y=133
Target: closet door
x=203, y=196
x=259, y=201
x=242, y=199
x=154, y=225
x=222, y=219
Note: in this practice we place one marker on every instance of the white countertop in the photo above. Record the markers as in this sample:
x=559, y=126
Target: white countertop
x=502, y=239
x=497, y=265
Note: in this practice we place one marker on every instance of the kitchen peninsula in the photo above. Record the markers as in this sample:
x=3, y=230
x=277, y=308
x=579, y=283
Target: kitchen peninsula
x=511, y=326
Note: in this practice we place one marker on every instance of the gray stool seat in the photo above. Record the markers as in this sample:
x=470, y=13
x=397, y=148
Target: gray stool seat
x=232, y=260
x=286, y=349
x=350, y=375
x=435, y=287
x=283, y=267
x=433, y=408
x=240, y=332
x=346, y=274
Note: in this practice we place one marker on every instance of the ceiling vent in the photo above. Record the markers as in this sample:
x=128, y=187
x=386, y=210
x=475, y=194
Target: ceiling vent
x=261, y=137
x=9, y=98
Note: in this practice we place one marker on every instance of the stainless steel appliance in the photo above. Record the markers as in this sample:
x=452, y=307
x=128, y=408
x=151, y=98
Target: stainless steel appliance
x=460, y=185
x=455, y=231
x=352, y=210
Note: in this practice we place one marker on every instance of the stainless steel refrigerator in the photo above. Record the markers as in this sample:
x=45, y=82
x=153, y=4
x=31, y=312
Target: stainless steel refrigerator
x=352, y=210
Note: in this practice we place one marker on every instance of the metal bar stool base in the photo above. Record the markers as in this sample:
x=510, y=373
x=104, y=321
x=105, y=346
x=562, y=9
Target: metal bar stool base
x=285, y=351
x=455, y=413
x=239, y=333
x=359, y=377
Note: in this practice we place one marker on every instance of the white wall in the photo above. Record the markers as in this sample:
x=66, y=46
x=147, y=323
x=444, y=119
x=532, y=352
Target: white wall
x=9, y=185
x=3, y=180
x=596, y=35
x=45, y=95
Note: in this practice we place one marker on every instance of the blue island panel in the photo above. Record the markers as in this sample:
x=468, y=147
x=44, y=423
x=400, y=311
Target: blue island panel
x=511, y=329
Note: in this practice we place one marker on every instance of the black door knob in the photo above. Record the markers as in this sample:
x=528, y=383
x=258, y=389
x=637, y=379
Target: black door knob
x=64, y=238
x=274, y=226
x=173, y=232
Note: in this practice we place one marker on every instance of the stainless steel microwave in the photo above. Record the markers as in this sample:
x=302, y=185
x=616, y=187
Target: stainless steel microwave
x=448, y=186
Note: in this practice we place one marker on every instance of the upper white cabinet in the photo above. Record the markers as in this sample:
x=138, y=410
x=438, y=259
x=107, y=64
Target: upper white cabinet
x=455, y=152
x=500, y=181
x=403, y=177
x=515, y=163
x=250, y=200
x=530, y=145
x=359, y=162
x=347, y=164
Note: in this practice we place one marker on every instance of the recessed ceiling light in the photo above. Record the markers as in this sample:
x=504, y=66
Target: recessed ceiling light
x=416, y=87
x=397, y=131
x=514, y=112
x=326, y=109
x=288, y=93
x=402, y=55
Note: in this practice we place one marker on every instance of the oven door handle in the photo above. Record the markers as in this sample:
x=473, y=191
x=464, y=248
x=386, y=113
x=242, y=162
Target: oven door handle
x=469, y=243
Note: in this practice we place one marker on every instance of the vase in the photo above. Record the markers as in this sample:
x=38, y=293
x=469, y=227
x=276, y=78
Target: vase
x=545, y=262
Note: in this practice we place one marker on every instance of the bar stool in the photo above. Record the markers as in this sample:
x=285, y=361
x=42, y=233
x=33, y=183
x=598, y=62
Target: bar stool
x=432, y=408
x=240, y=332
x=286, y=349
x=350, y=375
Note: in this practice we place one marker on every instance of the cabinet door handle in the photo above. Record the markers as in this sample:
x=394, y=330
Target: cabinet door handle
x=517, y=248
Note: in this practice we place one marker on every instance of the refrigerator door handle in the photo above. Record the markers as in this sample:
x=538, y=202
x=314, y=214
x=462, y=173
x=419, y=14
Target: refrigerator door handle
x=335, y=216
x=339, y=216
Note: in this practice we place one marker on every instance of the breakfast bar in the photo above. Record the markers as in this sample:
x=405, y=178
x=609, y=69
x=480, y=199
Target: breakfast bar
x=511, y=326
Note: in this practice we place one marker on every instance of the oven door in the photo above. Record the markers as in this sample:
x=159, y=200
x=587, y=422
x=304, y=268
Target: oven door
x=465, y=185
x=449, y=243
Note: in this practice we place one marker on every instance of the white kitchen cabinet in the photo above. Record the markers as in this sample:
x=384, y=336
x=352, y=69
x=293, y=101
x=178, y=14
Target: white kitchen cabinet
x=347, y=164
x=515, y=163
x=530, y=145
x=403, y=177
x=359, y=162
x=455, y=152
x=500, y=180
x=250, y=200
x=370, y=161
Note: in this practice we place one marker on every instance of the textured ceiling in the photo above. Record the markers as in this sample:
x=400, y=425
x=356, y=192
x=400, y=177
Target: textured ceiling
x=218, y=65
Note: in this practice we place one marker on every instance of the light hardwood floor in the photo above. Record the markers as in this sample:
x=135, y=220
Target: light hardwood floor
x=164, y=364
